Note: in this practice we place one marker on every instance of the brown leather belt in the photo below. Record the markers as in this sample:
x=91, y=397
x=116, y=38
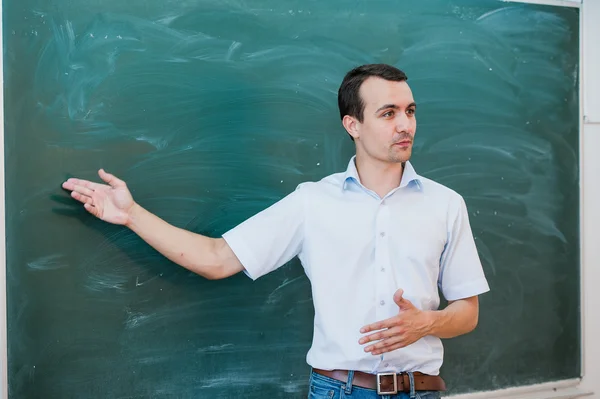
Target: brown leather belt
x=388, y=383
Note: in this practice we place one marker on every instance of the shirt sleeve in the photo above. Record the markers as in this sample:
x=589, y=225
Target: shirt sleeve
x=270, y=238
x=461, y=273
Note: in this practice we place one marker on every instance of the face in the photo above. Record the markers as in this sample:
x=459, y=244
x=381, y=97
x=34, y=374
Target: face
x=389, y=123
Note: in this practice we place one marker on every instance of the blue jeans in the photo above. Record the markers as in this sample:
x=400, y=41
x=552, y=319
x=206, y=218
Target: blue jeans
x=322, y=387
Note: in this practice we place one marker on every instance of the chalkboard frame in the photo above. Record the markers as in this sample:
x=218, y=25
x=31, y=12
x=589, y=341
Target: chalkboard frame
x=539, y=391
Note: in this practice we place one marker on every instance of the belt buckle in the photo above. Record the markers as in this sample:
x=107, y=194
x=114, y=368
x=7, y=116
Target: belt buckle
x=379, y=391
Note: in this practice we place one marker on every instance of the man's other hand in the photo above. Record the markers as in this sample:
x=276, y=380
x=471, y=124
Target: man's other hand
x=410, y=325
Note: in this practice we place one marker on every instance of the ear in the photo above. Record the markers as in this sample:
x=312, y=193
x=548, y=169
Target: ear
x=352, y=126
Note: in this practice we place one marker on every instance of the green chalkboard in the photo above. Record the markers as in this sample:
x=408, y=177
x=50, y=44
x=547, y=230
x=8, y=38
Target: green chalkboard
x=213, y=110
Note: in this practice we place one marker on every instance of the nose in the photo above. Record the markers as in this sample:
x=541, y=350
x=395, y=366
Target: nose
x=404, y=123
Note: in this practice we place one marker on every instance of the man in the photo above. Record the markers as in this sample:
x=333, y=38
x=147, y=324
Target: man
x=376, y=241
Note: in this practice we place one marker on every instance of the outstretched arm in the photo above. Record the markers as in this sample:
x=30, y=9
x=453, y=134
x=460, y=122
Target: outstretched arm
x=112, y=202
x=209, y=257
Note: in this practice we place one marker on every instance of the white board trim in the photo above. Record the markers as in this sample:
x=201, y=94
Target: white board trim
x=558, y=3
x=567, y=389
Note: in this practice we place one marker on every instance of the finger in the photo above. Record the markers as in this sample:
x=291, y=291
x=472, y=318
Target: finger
x=406, y=305
x=384, y=345
x=379, y=335
x=83, y=190
x=92, y=209
x=82, y=198
x=380, y=325
x=72, y=182
x=402, y=302
x=398, y=296
x=113, y=180
x=390, y=348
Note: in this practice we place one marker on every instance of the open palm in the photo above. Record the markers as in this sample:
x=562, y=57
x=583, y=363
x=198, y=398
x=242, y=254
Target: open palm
x=111, y=202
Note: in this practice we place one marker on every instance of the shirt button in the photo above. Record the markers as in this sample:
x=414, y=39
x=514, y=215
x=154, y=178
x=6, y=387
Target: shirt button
x=382, y=234
x=386, y=365
x=383, y=269
x=382, y=303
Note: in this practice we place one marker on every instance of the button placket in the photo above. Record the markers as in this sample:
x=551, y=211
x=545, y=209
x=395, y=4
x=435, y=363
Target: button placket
x=381, y=255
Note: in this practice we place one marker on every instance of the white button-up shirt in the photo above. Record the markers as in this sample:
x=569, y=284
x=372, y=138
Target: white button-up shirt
x=358, y=249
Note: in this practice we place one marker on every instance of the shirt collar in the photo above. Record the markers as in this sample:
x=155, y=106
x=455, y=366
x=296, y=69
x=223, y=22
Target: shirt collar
x=408, y=176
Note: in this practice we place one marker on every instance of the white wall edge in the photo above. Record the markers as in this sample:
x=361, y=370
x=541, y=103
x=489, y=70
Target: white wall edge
x=3, y=309
x=560, y=3
x=582, y=174
x=591, y=90
x=590, y=199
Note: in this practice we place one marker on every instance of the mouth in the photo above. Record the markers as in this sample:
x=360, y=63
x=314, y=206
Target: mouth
x=403, y=143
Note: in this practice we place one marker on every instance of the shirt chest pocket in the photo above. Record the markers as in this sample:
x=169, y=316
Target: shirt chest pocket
x=419, y=239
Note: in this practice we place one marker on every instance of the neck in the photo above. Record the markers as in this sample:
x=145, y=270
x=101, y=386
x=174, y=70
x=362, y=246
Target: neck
x=380, y=177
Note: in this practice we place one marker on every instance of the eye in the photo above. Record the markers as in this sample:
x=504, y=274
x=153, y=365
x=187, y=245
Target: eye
x=411, y=111
x=388, y=114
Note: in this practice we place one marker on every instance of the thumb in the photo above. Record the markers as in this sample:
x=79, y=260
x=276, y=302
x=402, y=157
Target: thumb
x=112, y=180
x=402, y=302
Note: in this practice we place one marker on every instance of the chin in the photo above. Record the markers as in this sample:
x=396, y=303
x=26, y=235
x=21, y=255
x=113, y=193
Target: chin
x=400, y=158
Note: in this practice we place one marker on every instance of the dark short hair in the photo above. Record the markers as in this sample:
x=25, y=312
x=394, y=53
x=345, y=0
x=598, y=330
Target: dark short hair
x=349, y=101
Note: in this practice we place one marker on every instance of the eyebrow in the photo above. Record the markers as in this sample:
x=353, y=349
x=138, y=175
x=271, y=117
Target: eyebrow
x=394, y=106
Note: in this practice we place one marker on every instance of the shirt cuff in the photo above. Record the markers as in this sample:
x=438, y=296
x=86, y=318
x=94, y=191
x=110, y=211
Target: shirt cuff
x=466, y=290
x=244, y=254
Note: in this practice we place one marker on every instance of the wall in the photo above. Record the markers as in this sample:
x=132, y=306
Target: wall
x=591, y=195
x=590, y=216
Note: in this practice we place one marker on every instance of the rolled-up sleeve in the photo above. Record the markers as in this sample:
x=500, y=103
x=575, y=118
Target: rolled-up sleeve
x=270, y=238
x=461, y=273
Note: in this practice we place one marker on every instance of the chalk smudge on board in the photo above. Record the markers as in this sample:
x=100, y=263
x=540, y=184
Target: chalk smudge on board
x=50, y=262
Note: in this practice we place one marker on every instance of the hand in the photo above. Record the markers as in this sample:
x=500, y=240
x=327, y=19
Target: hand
x=410, y=325
x=112, y=203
